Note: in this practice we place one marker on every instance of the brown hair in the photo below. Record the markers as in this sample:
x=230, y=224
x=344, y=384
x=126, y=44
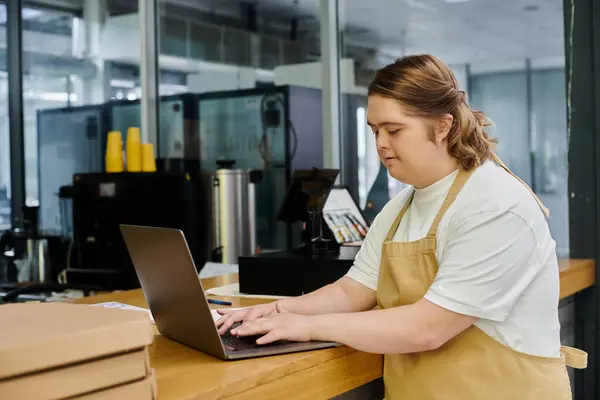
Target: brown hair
x=426, y=87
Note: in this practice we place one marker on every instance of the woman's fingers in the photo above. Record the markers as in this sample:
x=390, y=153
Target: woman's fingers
x=270, y=337
x=225, y=315
x=255, y=313
x=249, y=328
x=226, y=322
x=230, y=317
x=226, y=311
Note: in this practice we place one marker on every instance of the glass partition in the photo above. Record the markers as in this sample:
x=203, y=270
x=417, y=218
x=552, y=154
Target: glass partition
x=512, y=68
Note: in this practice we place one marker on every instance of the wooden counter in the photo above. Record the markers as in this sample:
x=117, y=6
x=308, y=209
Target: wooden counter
x=575, y=276
x=185, y=373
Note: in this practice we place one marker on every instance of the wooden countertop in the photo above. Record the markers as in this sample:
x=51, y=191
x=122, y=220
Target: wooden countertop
x=575, y=276
x=185, y=373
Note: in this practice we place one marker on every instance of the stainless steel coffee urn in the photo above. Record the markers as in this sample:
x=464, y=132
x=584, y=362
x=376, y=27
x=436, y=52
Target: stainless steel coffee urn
x=234, y=213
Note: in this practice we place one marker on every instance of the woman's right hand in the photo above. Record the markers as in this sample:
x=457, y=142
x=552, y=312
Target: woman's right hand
x=230, y=317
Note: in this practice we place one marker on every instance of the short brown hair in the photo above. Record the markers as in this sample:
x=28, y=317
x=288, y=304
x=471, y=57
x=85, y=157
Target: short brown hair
x=426, y=87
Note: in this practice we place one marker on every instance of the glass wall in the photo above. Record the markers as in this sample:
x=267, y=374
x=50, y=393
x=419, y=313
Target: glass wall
x=237, y=59
x=511, y=66
x=207, y=47
x=71, y=68
x=5, y=212
x=528, y=109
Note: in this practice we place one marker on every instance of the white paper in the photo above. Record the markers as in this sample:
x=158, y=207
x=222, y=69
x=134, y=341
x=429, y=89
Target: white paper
x=233, y=290
x=123, y=306
x=212, y=269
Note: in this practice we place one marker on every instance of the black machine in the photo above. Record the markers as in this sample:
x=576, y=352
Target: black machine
x=103, y=201
x=318, y=261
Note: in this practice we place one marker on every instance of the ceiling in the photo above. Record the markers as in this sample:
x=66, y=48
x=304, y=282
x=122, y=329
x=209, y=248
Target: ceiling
x=473, y=31
x=491, y=32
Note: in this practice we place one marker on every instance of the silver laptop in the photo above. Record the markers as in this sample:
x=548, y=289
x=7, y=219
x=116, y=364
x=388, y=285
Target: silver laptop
x=168, y=277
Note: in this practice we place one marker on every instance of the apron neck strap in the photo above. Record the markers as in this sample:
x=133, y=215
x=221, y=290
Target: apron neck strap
x=459, y=182
x=499, y=162
x=457, y=185
x=396, y=222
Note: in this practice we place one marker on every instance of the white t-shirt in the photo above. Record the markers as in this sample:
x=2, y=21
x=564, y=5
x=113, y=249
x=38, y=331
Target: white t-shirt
x=497, y=259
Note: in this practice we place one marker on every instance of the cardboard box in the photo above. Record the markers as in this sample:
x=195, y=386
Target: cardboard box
x=40, y=336
x=78, y=379
x=140, y=390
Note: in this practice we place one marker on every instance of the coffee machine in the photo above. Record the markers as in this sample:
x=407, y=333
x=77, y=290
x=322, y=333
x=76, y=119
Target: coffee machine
x=103, y=201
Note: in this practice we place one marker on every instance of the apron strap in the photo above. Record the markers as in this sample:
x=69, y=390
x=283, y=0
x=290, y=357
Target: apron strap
x=498, y=161
x=396, y=222
x=459, y=182
x=574, y=358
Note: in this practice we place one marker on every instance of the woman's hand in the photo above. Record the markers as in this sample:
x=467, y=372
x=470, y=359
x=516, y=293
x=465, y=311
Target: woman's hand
x=245, y=314
x=276, y=327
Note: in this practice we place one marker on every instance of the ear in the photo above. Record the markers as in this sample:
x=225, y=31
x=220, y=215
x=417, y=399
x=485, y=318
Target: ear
x=442, y=127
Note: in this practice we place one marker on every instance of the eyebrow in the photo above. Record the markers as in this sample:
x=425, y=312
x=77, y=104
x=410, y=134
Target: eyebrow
x=385, y=123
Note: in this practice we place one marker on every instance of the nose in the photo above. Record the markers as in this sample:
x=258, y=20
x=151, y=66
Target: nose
x=382, y=140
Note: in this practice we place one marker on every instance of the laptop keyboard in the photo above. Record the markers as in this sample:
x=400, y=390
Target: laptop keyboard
x=235, y=343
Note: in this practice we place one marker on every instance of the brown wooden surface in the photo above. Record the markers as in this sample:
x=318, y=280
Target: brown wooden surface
x=575, y=276
x=185, y=373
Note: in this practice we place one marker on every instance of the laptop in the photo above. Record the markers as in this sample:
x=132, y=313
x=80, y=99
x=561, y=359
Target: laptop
x=168, y=277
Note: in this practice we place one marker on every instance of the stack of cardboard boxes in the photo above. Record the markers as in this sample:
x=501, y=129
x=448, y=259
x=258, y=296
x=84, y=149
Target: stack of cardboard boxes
x=74, y=351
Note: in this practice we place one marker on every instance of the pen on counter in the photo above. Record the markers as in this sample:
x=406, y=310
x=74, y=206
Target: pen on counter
x=220, y=302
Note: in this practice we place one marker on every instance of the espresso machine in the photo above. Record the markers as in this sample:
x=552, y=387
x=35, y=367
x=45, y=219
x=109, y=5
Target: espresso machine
x=31, y=255
x=31, y=260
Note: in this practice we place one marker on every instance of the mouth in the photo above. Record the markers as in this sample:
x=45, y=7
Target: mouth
x=388, y=160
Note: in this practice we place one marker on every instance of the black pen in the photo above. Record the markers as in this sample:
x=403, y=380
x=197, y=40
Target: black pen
x=220, y=302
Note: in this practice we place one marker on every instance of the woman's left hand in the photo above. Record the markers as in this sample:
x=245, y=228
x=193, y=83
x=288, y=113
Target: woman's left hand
x=293, y=327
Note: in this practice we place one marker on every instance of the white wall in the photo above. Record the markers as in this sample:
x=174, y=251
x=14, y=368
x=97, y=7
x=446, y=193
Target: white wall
x=44, y=43
x=460, y=71
x=311, y=75
x=209, y=81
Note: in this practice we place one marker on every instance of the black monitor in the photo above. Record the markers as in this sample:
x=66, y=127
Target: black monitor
x=305, y=201
x=307, y=194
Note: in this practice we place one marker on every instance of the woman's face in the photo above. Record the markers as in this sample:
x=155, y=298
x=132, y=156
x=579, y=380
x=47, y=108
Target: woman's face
x=403, y=141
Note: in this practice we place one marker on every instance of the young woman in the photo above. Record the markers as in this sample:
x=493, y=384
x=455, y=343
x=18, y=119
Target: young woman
x=461, y=264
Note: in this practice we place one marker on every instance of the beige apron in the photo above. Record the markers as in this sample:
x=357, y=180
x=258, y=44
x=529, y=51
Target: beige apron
x=471, y=365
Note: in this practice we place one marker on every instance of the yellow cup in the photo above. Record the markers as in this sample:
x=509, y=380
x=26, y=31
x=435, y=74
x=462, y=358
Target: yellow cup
x=133, y=150
x=114, y=152
x=148, y=161
x=113, y=142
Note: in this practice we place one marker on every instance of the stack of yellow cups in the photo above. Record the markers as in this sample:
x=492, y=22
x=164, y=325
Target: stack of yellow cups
x=133, y=150
x=114, y=152
x=148, y=161
x=140, y=156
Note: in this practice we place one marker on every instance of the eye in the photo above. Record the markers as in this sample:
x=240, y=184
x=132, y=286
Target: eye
x=393, y=131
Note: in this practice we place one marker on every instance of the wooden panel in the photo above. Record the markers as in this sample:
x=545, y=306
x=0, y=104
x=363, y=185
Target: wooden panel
x=321, y=382
x=190, y=374
x=575, y=276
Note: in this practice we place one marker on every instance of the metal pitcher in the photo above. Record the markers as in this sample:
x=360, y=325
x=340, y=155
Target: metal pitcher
x=234, y=213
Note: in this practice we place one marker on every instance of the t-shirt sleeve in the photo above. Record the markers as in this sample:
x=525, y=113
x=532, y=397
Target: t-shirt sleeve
x=489, y=260
x=365, y=269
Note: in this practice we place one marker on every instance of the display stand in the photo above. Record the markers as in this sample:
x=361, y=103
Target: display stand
x=304, y=202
